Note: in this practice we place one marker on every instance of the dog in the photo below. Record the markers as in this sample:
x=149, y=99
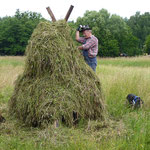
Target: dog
x=134, y=101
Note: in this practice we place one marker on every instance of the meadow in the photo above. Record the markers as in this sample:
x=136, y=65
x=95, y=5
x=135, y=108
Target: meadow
x=124, y=129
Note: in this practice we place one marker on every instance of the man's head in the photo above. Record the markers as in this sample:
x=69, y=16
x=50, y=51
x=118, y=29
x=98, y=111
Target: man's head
x=86, y=30
x=87, y=33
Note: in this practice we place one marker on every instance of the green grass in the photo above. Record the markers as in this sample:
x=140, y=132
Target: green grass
x=13, y=61
x=127, y=62
x=126, y=130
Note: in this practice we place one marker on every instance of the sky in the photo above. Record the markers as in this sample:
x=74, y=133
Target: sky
x=123, y=8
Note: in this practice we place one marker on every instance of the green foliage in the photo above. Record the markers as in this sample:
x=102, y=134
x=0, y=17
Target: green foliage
x=72, y=29
x=147, y=44
x=110, y=48
x=131, y=45
x=116, y=35
x=140, y=25
x=113, y=33
x=15, y=32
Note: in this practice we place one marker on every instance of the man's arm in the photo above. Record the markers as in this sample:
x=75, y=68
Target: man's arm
x=90, y=43
x=77, y=35
x=77, y=38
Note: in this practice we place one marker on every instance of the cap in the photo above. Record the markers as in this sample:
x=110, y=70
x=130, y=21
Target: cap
x=85, y=27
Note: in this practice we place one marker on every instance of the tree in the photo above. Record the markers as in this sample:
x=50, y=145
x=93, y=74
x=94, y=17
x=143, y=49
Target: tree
x=110, y=48
x=15, y=32
x=147, y=44
x=113, y=33
x=140, y=25
x=131, y=45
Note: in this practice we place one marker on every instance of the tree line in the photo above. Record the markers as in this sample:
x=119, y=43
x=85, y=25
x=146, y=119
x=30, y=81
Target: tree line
x=116, y=35
x=15, y=32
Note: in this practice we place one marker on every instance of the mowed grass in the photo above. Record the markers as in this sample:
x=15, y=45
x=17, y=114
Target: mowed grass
x=11, y=61
x=10, y=67
x=126, y=129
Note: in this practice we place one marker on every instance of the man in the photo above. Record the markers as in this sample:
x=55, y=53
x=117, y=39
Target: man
x=89, y=45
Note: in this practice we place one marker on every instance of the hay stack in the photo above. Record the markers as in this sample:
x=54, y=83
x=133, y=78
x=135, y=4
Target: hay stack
x=56, y=81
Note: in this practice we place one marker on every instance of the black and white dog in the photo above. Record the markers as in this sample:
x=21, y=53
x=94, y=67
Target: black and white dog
x=134, y=101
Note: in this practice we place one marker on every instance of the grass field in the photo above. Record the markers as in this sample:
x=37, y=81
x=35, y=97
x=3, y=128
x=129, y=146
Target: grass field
x=125, y=130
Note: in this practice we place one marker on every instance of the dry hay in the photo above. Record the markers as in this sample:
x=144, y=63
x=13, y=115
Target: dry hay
x=56, y=81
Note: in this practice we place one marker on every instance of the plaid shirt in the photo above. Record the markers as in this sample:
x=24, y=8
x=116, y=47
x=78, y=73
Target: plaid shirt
x=90, y=44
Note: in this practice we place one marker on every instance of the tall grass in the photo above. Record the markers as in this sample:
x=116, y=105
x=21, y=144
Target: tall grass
x=128, y=130
x=118, y=82
x=127, y=62
x=120, y=77
x=10, y=67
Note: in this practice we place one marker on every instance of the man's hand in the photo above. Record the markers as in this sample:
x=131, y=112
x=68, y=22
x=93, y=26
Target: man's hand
x=80, y=47
x=79, y=28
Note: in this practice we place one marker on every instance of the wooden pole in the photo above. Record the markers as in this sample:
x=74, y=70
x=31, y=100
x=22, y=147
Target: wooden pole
x=69, y=12
x=51, y=14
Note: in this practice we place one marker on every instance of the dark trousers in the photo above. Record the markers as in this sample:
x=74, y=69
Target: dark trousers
x=92, y=62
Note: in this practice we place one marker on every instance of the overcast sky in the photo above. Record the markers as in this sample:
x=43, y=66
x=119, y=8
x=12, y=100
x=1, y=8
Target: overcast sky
x=123, y=8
